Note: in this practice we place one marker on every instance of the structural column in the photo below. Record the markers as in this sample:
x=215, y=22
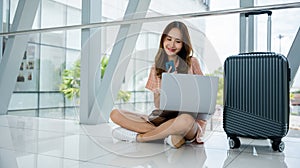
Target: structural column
x=1, y=28
x=243, y=4
x=90, y=56
x=293, y=57
x=122, y=50
x=14, y=50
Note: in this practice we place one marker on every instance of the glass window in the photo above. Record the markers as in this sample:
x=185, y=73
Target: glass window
x=72, y=3
x=53, y=14
x=27, y=113
x=37, y=19
x=71, y=57
x=73, y=16
x=12, y=9
x=73, y=39
x=72, y=113
x=28, y=76
x=23, y=101
x=168, y=7
x=273, y=2
x=52, y=113
x=284, y=28
x=56, y=38
x=114, y=10
x=52, y=64
x=73, y=36
x=72, y=103
x=218, y=42
x=221, y=5
x=50, y=100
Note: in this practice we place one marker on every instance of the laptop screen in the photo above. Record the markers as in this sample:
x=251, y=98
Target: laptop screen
x=189, y=93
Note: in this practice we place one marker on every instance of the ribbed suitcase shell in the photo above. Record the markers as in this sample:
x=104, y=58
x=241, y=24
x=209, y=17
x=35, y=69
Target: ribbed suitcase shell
x=256, y=95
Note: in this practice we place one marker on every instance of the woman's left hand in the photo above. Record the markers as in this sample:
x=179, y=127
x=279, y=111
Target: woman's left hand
x=170, y=69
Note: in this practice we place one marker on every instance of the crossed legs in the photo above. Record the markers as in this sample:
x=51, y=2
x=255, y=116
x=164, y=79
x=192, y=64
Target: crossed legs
x=183, y=125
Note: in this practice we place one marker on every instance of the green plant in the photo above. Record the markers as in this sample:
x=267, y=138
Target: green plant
x=297, y=91
x=292, y=96
x=104, y=63
x=124, y=95
x=71, y=81
x=70, y=85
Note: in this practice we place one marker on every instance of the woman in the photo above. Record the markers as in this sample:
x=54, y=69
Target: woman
x=175, y=45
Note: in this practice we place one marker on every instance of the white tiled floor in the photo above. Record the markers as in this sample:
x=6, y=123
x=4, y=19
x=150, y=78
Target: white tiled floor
x=28, y=142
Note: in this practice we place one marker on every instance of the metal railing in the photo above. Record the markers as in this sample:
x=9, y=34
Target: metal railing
x=157, y=19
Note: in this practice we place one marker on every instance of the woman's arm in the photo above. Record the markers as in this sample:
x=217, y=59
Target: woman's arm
x=196, y=67
x=156, y=99
x=153, y=84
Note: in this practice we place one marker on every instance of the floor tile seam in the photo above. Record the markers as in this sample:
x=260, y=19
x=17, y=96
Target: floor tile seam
x=12, y=148
x=4, y=125
x=3, y=148
x=293, y=157
x=19, y=151
x=91, y=138
x=90, y=134
x=61, y=132
x=278, y=154
x=84, y=131
x=236, y=156
x=40, y=140
x=212, y=135
x=96, y=136
x=246, y=145
x=43, y=130
x=266, y=152
x=217, y=128
x=119, y=155
x=293, y=141
x=217, y=148
x=243, y=150
x=60, y=157
x=68, y=158
x=49, y=155
x=105, y=164
x=106, y=154
x=272, y=153
x=109, y=151
x=39, y=118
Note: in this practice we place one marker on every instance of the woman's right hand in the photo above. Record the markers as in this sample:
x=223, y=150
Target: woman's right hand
x=170, y=69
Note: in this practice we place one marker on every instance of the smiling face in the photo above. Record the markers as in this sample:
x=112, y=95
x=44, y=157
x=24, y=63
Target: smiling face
x=172, y=43
x=175, y=44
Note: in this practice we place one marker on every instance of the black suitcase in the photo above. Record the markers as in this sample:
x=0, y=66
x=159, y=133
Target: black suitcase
x=256, y=97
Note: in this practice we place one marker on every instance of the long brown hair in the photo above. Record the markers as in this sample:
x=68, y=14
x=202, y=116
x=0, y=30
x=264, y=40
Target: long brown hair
x=184, y=54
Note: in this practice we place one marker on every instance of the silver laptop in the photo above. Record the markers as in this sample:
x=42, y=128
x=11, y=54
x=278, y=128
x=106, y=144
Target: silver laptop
x=194, y=94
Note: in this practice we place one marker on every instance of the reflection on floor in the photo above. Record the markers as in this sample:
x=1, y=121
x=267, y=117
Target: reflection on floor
x=28, y=142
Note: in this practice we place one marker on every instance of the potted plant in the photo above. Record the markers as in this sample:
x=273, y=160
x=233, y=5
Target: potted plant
x=70, y=85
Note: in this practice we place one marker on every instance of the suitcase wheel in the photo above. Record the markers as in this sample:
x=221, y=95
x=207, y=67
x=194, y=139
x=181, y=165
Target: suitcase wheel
x=234, y=142
x=278, y=145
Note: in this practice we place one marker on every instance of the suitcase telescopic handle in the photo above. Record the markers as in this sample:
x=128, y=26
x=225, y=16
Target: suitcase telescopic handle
x=268, y=28
x=258, y=13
